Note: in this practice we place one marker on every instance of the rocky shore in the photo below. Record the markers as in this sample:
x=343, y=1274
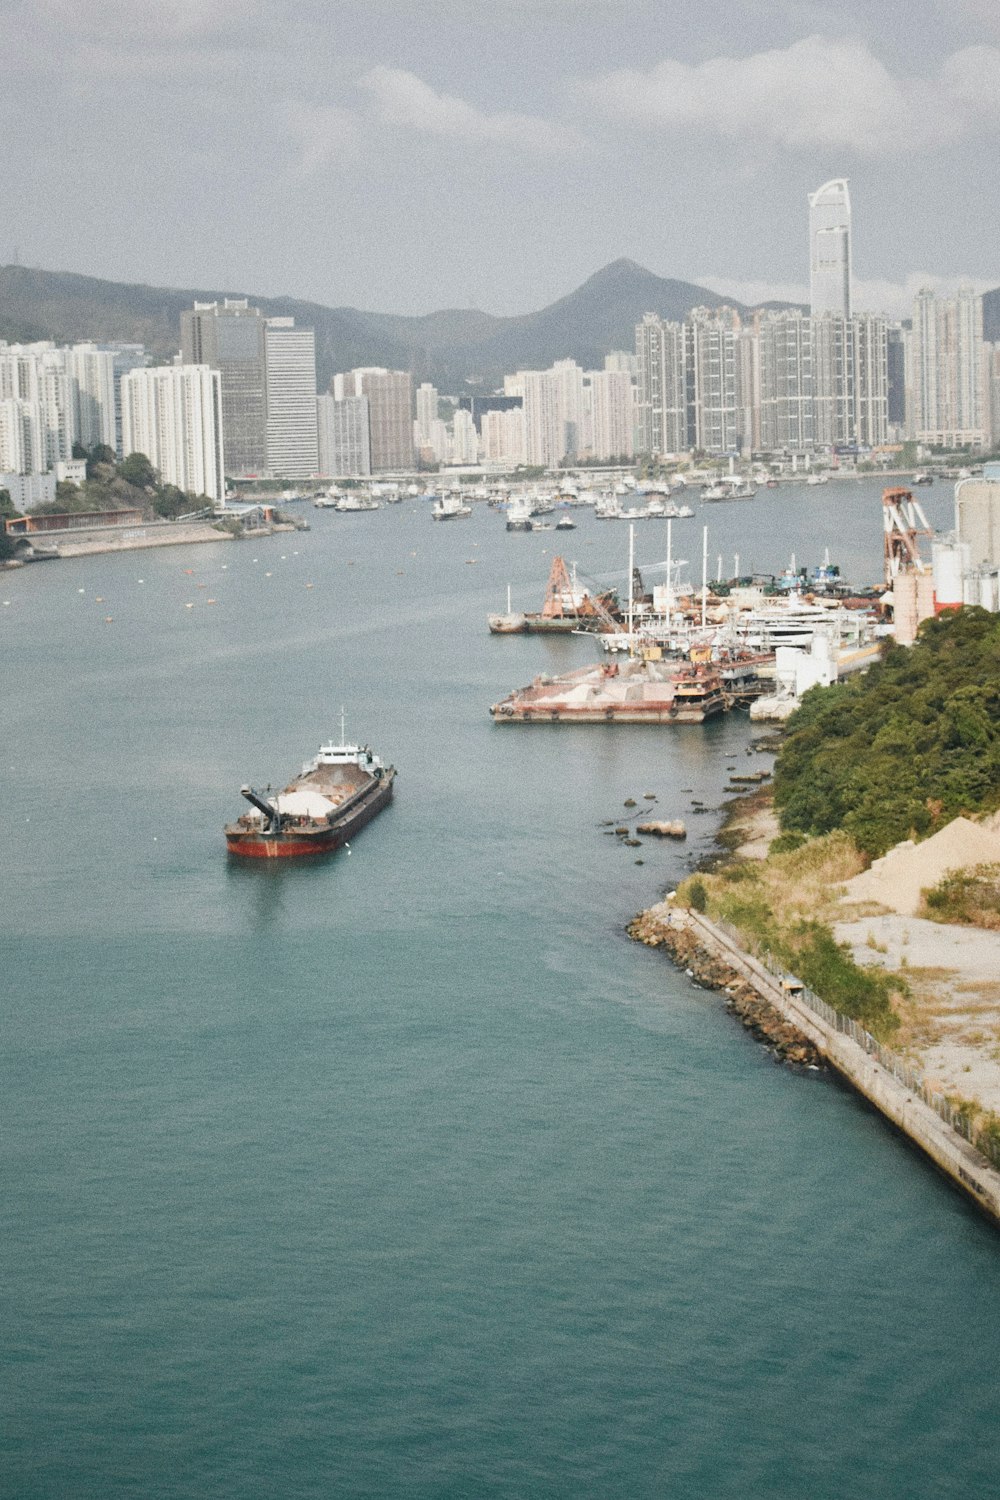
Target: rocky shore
x=660, y=928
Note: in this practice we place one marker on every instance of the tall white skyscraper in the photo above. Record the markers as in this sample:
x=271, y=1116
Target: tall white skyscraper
x=173, y=414
x=290, y=388
x=830, y=249
x=946, y=369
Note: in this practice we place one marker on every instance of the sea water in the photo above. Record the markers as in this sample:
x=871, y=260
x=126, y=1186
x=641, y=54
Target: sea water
x=407, y=1173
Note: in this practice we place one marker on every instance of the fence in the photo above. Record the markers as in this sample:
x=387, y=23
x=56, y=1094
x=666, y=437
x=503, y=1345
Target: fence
x=961, y=1117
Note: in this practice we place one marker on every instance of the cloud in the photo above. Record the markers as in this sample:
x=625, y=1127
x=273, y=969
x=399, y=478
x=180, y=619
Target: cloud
x=817, y=93
x=326, y=135
x=146, y=22
x=401, y=98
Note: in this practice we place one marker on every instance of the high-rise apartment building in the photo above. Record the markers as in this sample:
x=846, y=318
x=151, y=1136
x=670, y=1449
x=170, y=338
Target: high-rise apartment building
x=661, y=394
x=173, y=414
x=502, y=437
x=946, y=370
x=712, y=378
x=290, y=387
x=610, y=417
x=830, y=249
x=92, y=373
x=344, y=442
x=230, y=338
x=785, y=390
x=464, y=439
x=428, y=411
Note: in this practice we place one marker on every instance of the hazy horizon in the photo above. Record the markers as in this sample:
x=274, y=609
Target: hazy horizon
x=456, y=155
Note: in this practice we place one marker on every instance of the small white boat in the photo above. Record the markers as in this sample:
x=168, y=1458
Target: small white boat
x=449, y=507
x=818, y=479
x=511, y=623
x=565, y=523
x=356, y=503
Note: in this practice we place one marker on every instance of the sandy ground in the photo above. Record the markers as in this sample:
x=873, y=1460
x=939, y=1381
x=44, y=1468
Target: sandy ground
x=951, y=1020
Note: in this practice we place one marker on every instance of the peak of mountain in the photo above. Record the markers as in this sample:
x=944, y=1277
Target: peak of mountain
x=453, y=348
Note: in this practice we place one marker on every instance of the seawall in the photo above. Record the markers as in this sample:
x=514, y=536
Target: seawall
x=128, y=538
x=699, y=945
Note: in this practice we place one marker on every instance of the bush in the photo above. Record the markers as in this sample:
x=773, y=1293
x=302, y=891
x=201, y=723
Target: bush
x=967, y=896
x=696, y=895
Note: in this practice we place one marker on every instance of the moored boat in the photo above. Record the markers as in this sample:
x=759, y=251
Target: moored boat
x=335, y=795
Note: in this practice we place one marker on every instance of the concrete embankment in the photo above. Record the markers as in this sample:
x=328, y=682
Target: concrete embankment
x=798, y=1034
x=127, y=538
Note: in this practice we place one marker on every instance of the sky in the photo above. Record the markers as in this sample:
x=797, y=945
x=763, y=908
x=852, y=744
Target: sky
x=411, y=155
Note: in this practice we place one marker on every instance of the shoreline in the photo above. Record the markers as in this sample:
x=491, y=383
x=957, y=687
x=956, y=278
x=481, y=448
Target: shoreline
x=800, y=1034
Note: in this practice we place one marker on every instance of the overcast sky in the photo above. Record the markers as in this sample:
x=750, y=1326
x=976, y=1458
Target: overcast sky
x=408, y=155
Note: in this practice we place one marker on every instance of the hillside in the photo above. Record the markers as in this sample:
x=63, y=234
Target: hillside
x=452, y=348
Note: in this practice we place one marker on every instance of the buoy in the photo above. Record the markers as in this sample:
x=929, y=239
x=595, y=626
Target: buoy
x=189, y=571
x=267, y=575
x=189, y=606
x=108, y=619
x=308, y=585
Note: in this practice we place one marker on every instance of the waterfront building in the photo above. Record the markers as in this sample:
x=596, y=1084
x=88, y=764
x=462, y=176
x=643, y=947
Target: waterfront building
x=946, y=371
x=785, y=388
x=833, y=381
x=343, y=436
x=711, y=338
x=290, y=383
x=464, y=439
x=229, y=338
x=871, y=380
x=428, y=411
x=20, y=437
x=390, y=413
x=610, y=414
x=661, y=394
x=173, y=414
x=502, y=435
x=830, y=250
x=92, y=383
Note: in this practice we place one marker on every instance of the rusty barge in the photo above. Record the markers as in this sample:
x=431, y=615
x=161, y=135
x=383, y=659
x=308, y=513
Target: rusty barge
x=640, y=692
x=337, y=792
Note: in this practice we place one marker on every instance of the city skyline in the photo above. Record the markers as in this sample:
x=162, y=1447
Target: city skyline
x=410, y=147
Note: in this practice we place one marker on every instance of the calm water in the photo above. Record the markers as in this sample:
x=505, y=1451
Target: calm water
x=408, y=1174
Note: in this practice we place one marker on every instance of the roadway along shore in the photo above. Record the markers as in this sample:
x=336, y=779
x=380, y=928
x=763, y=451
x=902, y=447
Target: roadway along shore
x=799, y=1034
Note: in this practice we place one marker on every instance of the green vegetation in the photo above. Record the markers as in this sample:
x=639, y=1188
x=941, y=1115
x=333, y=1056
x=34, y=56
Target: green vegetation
x=966, y=896
x=904, y=749
x=7, y=513
x=133, y=483
x=782, y=906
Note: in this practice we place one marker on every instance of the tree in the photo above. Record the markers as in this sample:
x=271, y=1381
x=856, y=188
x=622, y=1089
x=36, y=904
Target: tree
x=136, y=469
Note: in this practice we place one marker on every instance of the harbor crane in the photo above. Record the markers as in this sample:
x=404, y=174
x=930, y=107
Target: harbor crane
x=903, y=523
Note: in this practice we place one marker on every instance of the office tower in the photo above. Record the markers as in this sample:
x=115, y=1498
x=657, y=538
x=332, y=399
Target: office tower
x=173, y=414
x=946, y=374
x=290, y=385
x=230, y=338
x=344, y=444
x=390, y=413
x=661, y=396
x=428, y=410
x=611, y=416
x=713, y=395
x=92, y=376
x=830, y=249
x=464, y=439
x=785, y=390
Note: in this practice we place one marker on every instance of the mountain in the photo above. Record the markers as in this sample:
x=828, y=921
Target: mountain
x=454, y=348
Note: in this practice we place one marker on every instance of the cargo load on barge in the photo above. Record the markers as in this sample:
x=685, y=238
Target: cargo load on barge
x=634, y=692
x=336, y=794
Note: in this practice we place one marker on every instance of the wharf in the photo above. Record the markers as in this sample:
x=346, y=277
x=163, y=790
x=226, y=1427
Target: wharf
x=857, y=1057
